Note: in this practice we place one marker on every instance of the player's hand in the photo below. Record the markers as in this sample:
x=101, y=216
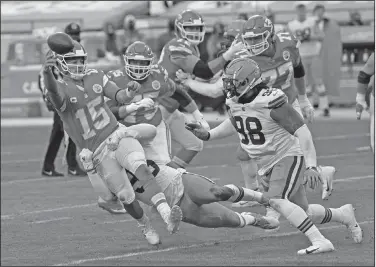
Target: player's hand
x=86, y=157
x=146, y=103
x=312, y=177
x=132, y=88
x=200, y=119
x=49, y=63
x=182, y=77
x=361, y=104
x=306, y=107
x=198, y=130
x=235, y=47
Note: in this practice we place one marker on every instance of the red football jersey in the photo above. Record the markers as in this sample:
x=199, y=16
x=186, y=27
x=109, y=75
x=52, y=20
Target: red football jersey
x=177, y=54
x=86, y=117
x=155, y=86
x=278, y=70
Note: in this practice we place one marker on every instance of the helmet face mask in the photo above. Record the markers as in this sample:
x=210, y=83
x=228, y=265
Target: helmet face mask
x=138, y=61
x=74, y=64
x=256, y=44
x=190, y=26
x=257, y=34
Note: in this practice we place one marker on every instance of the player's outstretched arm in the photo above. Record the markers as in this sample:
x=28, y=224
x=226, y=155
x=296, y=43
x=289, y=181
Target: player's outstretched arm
x=208, y=89
x=112, y=91
x=364, y=77
x=53, y=94
x=286, y=116
x=223, y=130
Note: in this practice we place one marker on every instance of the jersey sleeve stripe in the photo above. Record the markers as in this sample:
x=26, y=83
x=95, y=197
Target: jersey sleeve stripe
x=277, y=102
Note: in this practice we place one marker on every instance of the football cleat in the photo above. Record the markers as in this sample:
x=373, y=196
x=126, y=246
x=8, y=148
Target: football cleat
x=243, y=204
x=260, y=221
x=150, y=234
x=327, y=176
x=112, y=206
x=175, y=218
x=320, y=246
x=270, y=212
x=52, y=173
x=351, y=223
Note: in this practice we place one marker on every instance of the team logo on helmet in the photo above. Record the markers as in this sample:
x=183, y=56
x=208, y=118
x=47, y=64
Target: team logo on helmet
x=267, y=23
x=97, y=88
x=73, y=99
x=286, y=55
x=156, y=85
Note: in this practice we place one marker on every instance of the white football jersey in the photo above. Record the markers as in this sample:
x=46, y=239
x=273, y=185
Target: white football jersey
x=260, y=136
x=303, y=31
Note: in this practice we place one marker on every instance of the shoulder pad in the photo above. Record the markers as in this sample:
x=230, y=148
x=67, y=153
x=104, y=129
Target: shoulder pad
x=159, y=71
x=180, y=48
x=92, y=71
x=271, y=98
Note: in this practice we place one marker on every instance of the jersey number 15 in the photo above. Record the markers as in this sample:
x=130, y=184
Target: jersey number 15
x=244, y=127
x=95, y=113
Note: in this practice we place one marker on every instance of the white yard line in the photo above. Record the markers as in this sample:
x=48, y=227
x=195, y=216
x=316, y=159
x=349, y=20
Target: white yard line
x=52, y=220
x=22, y=213
x=127, y=255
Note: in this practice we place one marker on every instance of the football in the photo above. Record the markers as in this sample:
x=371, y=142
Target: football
x=60, y=43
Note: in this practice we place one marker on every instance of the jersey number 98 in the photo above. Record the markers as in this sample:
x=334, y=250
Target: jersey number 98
x=250, y=133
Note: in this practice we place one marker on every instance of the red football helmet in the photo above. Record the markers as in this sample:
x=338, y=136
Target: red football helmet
x=232, y=32
x=257, y=34
x=241, y=75
x=73, y=63
x=190, y=26
x=138, y=60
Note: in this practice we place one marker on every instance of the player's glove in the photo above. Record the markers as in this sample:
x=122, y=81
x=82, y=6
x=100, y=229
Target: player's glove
x=49, y=63
x=312, y=177
x=198, y=130
x=132, y=88
x=361, y=104
x=235, y=47
x=182, y=77
x=306, y=107
x=200, y=119
x=146, y=103
x=86, y=157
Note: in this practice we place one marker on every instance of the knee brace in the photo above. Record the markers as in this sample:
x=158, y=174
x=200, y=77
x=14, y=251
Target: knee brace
x=130, y=154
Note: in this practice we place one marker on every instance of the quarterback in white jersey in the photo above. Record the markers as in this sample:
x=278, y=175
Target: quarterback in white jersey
x=307, y=30
x=275, y=136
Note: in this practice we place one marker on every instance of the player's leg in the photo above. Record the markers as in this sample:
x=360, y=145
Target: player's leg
x=203, y=193
x=249, y=171
x=318, y=82
x=320, y=215
x=280, y=185
x=372, y=119
x=191, y=145
x=158, y=149
x=310, y=89
x=115, y=182
x=130, y=156
x=327, y=172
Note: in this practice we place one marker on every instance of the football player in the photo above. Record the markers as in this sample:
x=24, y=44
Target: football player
x=79, y=101
x=279, y=60
x=197, y=197
x=182, y=53
x=274, y=134
x=366, y=77
x=308, y=32
x=144, y=107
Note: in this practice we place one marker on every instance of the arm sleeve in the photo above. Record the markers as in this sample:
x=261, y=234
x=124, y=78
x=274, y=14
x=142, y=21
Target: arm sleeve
x=208, y=89
x=184, y=99
x=184, y=58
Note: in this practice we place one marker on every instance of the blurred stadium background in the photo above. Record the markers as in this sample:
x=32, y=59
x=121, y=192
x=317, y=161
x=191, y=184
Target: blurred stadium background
x=24, y=26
